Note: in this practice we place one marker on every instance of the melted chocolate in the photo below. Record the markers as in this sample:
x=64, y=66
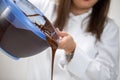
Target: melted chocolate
x=3, y=26
x=54, y=46
x=51, y=38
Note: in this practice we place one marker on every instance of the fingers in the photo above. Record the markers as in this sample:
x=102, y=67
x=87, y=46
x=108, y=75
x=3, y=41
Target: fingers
x=61, y=33
x=66, y=41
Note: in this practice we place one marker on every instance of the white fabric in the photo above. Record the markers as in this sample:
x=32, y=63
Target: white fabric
x=91, y=61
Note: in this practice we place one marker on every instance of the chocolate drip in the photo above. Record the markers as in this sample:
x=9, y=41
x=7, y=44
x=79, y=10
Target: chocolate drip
x=51, y=37
x=54, y=46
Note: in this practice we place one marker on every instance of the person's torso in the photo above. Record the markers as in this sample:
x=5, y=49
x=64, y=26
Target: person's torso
x=40, y=65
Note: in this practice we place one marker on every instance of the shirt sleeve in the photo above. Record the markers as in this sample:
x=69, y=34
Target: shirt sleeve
x=106, y=63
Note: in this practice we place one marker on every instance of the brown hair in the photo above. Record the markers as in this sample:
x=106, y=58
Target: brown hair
x=97, y=17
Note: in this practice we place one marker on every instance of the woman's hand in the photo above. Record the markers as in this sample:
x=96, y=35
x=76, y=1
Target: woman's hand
x=66, y=42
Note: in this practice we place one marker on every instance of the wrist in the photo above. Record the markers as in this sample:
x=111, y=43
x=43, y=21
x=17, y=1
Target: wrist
x=70, y=54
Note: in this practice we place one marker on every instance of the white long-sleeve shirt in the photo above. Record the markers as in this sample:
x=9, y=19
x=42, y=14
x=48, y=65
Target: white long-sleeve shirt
x=91, y=61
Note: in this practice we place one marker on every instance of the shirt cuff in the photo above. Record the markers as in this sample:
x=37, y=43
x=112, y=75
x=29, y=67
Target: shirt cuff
x=79, y=63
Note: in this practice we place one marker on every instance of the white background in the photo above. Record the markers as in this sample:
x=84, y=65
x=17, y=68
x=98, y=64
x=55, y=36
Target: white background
x=16, y=70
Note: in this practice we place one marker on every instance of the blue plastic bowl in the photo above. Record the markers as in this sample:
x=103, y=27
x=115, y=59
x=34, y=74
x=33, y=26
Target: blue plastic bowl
x=20, y=35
